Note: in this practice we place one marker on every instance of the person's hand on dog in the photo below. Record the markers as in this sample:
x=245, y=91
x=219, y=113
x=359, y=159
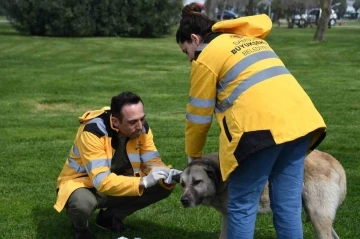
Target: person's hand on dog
x=154, y=176
x=171, y=174
x=173, y=177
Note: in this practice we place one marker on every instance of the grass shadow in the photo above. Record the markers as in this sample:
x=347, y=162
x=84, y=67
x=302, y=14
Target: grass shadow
x=50, y=224
x=146, y=229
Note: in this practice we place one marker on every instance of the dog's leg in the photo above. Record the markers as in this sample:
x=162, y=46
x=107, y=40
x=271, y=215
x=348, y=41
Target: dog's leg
x=321, y=199
x=223, y=234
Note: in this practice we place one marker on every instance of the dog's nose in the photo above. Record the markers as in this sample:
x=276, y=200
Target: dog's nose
x=185, y=201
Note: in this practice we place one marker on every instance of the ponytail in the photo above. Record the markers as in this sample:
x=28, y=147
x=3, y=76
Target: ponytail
x=193, y=21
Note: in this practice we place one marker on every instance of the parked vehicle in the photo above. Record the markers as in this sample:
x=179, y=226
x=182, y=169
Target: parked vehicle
x=311, y=17
x=298, y=20
x=351, y=15
x=228, y=14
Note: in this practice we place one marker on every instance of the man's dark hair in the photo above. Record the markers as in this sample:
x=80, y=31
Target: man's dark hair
x=124, y=98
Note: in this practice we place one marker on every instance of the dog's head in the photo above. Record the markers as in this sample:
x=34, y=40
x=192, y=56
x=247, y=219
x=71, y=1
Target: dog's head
x=200, y=181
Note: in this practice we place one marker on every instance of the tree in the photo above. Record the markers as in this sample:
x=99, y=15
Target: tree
x=222, y=9
x=323, y=21
x=356, y=4
x=339, y=7
x=79, y=18
x=250, y=8
x=210, y=8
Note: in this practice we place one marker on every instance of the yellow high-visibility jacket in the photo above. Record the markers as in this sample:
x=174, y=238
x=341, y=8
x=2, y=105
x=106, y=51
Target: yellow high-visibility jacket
x=256, y=100
x=89, y=161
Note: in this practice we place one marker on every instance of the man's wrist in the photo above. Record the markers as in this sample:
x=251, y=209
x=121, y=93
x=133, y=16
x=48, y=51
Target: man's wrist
x=141, y=183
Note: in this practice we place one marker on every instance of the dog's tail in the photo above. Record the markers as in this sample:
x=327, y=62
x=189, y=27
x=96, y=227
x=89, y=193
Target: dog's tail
x=342, y=184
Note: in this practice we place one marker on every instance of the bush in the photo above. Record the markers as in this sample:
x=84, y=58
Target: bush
x=77, y=18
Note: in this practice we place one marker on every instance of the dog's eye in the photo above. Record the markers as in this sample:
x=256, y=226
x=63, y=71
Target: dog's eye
x=196, y=182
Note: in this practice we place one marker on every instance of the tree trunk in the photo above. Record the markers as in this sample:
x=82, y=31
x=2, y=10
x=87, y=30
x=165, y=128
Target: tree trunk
x=323, y=21
x=250, y=8
x=210, y=7
x=222, y=11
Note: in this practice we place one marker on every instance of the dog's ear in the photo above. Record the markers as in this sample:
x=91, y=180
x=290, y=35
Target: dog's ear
x=176, y=178
x=213, y=172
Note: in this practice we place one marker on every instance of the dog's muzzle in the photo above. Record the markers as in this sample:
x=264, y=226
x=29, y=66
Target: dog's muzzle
x=185, y=201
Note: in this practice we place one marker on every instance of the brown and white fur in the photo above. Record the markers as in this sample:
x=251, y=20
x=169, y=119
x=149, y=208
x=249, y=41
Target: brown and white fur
x=323, y=192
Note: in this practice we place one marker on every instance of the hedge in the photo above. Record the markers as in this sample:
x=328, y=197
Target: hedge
x=79, y=18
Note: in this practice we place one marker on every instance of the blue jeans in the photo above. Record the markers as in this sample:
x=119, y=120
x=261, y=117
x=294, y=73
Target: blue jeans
x=283, y=166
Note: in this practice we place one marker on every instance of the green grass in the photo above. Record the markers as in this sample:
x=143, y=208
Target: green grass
x=46, y=83
x=350, y=23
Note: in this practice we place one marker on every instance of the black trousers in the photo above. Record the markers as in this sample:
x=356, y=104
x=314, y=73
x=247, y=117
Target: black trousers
x=83, y=201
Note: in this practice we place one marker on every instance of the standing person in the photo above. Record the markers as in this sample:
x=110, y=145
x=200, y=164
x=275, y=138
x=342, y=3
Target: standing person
x=113, y=164
x=267, y=122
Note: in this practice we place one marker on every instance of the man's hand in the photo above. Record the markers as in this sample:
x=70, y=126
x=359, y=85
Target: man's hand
x=154, y=176
x=173, y=176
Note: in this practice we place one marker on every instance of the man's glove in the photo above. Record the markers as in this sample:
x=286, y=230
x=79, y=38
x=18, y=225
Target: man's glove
x=154, y=176
x=173, y=174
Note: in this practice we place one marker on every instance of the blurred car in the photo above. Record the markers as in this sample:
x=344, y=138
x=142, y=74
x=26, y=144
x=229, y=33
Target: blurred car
x=298, y=20
x=228, y=14
x=315, y=13
x=311, y=17
x=351, y=15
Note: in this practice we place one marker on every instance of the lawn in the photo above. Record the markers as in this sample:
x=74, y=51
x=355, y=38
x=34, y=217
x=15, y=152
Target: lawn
x=46, y=83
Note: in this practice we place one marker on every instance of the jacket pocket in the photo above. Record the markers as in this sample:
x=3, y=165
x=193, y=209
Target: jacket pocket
x=226, y=129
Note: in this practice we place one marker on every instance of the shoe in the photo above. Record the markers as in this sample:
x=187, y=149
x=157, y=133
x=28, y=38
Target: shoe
x=83, y=233
x=109, y=223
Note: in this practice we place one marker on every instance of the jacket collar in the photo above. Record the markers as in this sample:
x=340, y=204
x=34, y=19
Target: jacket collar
x=208, y=38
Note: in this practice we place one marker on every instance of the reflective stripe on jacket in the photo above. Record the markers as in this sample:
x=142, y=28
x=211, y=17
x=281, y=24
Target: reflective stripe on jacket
x=89, y=161
x=256, y=100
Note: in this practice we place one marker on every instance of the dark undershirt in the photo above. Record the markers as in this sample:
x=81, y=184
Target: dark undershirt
x=120, y=164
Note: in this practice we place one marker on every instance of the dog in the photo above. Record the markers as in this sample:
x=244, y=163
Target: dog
x=323, y=192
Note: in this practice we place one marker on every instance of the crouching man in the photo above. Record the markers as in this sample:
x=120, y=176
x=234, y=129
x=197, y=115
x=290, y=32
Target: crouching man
x=113, y=166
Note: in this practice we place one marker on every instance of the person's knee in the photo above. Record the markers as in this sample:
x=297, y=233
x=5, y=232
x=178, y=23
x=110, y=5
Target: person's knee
x=83, y=206
x=81, y=202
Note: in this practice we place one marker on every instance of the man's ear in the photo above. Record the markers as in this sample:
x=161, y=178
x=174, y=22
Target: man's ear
x=115, y=122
